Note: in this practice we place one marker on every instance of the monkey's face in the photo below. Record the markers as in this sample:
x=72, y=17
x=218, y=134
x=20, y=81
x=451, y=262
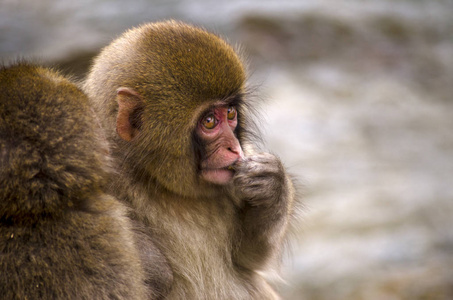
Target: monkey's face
x=171, y=80
x=222, y=148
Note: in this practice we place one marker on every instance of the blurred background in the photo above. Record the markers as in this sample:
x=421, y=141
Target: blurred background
x=358, y=103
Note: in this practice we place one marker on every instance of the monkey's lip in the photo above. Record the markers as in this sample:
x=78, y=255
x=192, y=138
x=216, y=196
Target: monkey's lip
x=218, y=175
x=229, y=167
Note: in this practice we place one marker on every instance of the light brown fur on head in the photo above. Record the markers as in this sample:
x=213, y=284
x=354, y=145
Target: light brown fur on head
x=174, y=68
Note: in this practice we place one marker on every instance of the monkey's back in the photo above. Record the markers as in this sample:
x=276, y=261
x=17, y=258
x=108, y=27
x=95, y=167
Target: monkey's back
x=61, y=236
x=78, y=256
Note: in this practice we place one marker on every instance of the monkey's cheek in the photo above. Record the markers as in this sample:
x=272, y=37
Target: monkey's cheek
x=217, y=176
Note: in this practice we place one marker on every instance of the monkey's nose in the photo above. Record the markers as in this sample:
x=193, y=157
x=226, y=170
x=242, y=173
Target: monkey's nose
x=236, y=149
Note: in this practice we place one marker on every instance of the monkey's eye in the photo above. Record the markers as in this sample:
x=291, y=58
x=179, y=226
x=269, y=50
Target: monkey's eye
x=231, y=113
x=209, y=122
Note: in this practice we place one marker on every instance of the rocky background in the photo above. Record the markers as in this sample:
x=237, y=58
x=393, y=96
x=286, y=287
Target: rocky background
x=358, y=103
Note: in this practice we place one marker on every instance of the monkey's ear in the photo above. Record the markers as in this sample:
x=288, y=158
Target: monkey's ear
x=128, y=103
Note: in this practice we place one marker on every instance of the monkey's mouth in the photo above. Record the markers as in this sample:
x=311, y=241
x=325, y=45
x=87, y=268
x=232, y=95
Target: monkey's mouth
x=218, y=175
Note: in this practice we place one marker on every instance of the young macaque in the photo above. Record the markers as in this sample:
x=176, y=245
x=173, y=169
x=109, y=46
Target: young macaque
x=173, y=103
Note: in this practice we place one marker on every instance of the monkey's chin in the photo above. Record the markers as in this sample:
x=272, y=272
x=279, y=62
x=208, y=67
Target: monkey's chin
x=217, y=176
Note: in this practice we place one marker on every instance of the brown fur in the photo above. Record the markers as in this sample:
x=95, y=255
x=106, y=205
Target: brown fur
x=61, y=235
x=215, y=238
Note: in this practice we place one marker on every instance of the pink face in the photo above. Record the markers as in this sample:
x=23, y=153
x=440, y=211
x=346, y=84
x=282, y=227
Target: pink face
x=216, y=129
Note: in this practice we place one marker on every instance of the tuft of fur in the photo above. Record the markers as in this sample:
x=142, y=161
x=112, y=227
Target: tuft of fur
x=61, y=235
x=216, y=239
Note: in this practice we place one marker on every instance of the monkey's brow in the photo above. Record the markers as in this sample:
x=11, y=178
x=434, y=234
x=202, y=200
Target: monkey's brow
x=234, y=99
x=228, y=101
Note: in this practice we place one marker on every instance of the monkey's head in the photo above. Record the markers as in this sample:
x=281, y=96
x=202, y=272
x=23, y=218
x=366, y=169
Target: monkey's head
x=173, y=98
x=51, y=155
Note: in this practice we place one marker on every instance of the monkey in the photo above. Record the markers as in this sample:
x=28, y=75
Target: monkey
x=173, y=102
x=62, y=236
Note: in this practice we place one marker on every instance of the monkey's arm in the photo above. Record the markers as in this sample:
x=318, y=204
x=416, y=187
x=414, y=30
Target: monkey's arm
x=158, y=273
x=266, y=196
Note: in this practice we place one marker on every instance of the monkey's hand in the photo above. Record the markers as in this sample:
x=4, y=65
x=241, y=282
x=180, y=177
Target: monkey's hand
x=265, y=195
x=259, y=181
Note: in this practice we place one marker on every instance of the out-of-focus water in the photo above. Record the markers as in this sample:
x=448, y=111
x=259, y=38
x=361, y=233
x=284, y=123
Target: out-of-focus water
x=53, y=29
x=358, y=104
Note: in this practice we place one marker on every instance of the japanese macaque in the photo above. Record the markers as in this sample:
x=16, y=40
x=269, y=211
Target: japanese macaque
x=61, y=235
x=172, y=100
